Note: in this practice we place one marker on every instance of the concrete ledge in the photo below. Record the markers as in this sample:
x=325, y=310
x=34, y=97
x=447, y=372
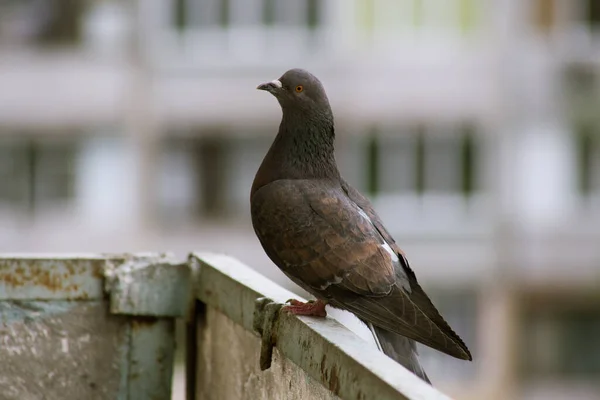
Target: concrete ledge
x=326, y=350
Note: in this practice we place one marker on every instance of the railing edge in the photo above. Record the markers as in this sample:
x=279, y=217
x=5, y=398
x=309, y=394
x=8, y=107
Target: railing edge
x=323, y=348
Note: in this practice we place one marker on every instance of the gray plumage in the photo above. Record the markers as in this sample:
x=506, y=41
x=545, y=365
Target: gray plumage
x=399, y=348
x=327, y=238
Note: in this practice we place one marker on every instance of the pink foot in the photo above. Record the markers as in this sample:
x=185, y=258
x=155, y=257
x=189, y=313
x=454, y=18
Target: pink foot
x=312, y=308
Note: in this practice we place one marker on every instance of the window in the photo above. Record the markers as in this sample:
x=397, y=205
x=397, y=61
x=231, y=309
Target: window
x=54, y=172
x=418, y=15
x=561, y=341
x=588, y=159
x=353, y=160
x=581, y=79
x=197, y=177
x=211, y=163
x=15, y=174
x=246, y=155
x=201, y=13
x=373, y=166
x=460, y=310
x=468, y=13
x=581, y=88
x=392, y=158
x=449, y=162
x=36, y=174
x=225, y=13
x=544, y=15
x=365, y=15
x=418, y=11
x=468, y=153
x=442, y=158
x=592, y=13
x=176, y=186
x=397, y=163
x=420, y=161
x=41, y=22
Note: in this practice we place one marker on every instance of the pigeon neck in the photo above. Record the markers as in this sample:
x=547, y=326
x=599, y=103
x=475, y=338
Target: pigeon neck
x=308, y=143
x=303, y=149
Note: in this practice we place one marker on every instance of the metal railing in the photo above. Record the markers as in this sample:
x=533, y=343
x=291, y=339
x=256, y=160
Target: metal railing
x=103, y=327
x=325, y=353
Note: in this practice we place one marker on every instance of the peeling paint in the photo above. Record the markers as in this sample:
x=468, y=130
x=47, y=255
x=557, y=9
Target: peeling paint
x=28, y=311
x=85, y=338
x=64, y=343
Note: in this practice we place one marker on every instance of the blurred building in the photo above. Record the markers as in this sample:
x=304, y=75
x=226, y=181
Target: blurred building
x=473, y=124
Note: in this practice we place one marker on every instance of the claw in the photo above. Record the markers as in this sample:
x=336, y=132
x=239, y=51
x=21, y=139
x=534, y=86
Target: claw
x=311, y=308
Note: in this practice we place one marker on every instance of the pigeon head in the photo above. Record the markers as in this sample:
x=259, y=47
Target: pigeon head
x=299, y=90
x=304, y=145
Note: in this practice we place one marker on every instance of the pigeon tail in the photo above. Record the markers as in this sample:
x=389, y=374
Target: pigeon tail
x=400, y=349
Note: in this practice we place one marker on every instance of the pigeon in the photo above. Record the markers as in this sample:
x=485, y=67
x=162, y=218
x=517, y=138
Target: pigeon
x=326, y=237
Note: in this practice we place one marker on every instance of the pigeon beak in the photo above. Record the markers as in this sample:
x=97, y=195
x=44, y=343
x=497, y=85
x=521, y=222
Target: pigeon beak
x=270, y=87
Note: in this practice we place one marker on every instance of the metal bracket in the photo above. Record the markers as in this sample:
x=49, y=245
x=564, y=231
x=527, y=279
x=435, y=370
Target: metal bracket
x=153, y=285
x=266, y=316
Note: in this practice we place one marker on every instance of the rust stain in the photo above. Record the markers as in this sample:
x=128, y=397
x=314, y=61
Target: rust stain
x=323, y=371
x=334, y=380
x=70, y=268
x=330, y=376
x=48, y=275
x=141, y=323
x=98, y=271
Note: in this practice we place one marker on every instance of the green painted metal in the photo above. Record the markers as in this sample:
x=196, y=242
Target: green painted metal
x=326, y=350
x=151, y=358
x=85, y=326
x=156, y=286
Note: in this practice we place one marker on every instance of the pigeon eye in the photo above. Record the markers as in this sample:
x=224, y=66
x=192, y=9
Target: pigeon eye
x=299, y=89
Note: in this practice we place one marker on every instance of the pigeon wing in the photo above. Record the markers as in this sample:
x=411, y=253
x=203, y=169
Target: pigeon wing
x=320, y=236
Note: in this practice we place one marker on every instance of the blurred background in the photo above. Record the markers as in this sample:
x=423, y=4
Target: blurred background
x=473, y=125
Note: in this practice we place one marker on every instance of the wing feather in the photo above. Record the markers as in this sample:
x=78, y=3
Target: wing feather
x=317, y=234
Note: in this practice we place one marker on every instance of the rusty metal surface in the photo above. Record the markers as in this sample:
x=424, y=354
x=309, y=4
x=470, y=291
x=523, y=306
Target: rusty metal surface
x=41, y=278
x=324, y=349
x=61, y=350
x=155, y=285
